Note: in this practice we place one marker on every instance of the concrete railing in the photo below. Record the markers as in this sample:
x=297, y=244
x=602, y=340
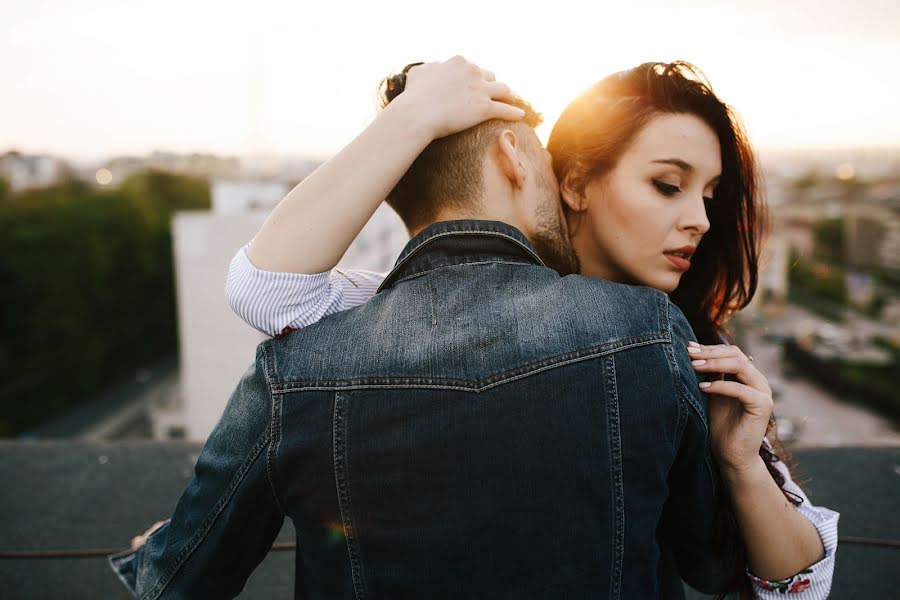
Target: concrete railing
x=67, y=496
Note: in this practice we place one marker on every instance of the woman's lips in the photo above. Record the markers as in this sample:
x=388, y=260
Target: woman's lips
x=680, y=263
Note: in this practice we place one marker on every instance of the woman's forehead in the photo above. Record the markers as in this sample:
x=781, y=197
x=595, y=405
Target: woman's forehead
x=677, y=138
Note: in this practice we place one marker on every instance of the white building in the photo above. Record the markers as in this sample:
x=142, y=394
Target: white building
x=241, y=197
x=31, y=170
x=216, y=347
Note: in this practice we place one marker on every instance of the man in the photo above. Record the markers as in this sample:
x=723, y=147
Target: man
x=482, y=428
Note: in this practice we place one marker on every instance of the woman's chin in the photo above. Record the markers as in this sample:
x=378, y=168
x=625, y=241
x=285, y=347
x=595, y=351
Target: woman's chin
x=664, y=282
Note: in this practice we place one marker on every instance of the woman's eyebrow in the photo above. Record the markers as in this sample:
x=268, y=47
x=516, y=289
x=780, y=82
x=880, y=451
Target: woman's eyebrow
x=675, y=161
x=684, y=166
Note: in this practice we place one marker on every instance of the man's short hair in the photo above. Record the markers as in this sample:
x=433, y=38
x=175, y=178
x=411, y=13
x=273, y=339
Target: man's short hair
x=449, y=172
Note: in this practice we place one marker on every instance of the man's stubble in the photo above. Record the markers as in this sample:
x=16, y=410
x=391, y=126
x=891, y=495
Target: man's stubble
x=551, y=240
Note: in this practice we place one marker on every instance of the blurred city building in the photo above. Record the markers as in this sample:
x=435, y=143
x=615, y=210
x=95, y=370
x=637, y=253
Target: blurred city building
x=215, y=346
x=32, y=170
x=197, y=164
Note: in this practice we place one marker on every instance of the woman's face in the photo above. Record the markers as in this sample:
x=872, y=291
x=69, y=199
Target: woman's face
x=641, y=222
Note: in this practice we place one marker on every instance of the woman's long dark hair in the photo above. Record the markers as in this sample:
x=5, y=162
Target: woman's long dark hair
x=586, y=143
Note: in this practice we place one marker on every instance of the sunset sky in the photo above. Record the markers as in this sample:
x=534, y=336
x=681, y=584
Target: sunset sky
x=94, y=78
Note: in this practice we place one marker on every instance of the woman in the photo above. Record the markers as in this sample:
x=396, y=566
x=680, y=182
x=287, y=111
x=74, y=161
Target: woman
x=659, y=188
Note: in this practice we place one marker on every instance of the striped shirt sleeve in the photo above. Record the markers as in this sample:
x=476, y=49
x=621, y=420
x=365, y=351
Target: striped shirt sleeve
x=272, y=302
x=814, y=582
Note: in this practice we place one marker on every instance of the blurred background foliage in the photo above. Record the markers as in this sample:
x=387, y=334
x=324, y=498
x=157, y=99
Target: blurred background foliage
x=94, y=288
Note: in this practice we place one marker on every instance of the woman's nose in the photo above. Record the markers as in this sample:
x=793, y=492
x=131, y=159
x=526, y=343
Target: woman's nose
x=694, y=216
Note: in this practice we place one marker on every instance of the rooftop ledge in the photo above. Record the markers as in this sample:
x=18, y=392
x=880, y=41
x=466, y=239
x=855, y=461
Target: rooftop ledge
x=65, y=495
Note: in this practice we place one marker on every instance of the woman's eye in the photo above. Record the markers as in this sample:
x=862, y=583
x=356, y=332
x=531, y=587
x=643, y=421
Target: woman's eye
x=667, y=189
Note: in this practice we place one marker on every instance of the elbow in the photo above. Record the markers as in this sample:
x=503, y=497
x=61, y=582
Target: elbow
x=239, y=299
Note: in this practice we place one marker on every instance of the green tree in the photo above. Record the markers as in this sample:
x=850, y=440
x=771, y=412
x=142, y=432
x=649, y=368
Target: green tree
x=92, y=289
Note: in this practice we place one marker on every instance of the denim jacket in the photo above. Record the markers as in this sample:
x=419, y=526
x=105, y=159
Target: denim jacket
x=481, y=428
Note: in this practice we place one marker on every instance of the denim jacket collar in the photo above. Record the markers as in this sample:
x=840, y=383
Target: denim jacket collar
x=449, y=243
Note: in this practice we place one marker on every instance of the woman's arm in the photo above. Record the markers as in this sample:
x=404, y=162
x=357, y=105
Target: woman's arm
x=281, y=280
x=814, y=580
x=316, y=222
x=779, y=539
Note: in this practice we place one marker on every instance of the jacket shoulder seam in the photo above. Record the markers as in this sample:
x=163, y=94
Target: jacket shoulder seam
x=472, y=385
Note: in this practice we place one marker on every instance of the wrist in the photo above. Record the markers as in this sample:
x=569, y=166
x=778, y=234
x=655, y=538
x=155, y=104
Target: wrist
x=410, y=120
x=748, y=475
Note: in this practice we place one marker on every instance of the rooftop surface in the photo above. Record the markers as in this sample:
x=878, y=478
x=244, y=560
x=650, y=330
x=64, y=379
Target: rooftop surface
x=63, y=495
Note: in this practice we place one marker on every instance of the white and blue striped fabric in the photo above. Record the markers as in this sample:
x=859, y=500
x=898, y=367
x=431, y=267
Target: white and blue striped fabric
x=272, y=302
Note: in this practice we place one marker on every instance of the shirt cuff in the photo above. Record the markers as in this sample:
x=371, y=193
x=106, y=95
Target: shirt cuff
x=270, y=301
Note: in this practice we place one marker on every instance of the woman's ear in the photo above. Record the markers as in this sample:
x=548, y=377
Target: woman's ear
x=571, y=192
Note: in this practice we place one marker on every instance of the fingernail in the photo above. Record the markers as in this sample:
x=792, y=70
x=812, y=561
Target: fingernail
x=698, y=363
x=705, y=384
x=693, y=343
x=694, y=349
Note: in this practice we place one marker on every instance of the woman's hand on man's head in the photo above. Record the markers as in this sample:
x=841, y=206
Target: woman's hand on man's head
x=454, y=95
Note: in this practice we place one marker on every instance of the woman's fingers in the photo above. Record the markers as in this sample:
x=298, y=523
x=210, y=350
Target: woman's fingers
x=497, y=90
x=714, y=351
x=754, y=401
x=751, y=388
x=730, y=360
x=744, y=371
x=454, y=95
x=507, y=112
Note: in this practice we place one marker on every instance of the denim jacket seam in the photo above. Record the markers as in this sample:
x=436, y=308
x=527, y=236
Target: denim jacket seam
x=615, y=459
x=477, y=385
x=681, y=385
x=662, y=309
x=274, y=428
x=340, y=458
x=206, y=525
x=682, y=422
x=388, y=281
x=683, y=393
x=692, y=401
x=677, y=383
x=460, y=264
x=272, y=376
x=443, y=234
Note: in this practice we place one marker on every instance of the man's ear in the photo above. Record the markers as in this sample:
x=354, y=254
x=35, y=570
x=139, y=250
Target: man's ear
x=571, y=192
x=510, y=158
